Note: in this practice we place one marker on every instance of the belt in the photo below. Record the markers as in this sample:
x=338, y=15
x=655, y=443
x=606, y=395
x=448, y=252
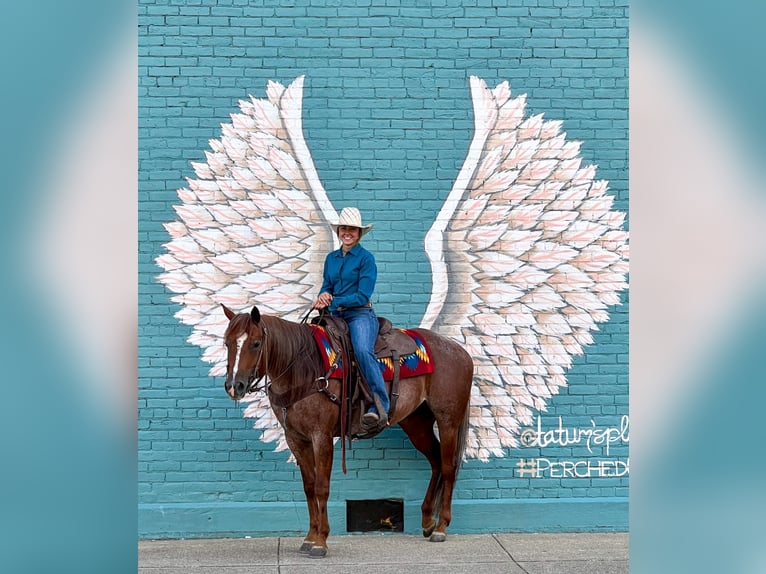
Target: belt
x=368, y=305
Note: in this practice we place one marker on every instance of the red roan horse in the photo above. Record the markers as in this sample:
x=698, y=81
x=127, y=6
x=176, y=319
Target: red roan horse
x=286, y=353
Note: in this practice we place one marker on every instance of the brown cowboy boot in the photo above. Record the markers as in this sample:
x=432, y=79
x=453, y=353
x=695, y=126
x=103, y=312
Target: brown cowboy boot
x=373, y=420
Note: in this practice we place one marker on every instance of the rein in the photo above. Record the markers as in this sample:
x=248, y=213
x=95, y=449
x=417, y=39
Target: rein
x=279, y=399
x=293, y=396
x=254, y=384
x=253, y=380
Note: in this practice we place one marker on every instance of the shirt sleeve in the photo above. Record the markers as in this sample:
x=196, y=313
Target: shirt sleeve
x=327, y=283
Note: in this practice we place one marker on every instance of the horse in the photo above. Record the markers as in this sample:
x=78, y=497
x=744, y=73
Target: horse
x=286, y=354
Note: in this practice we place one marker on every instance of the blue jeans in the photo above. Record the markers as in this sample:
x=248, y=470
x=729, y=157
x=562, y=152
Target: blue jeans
x=363, y=328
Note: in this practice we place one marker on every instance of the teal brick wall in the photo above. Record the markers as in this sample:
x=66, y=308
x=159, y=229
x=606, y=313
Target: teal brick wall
x=387, y=116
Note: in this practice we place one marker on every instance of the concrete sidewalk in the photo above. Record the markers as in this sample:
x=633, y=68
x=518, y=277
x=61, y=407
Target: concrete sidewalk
x=581, y=553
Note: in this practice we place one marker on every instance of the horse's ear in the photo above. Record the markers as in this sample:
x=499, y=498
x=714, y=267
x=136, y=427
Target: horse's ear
x=228, y=312
x=255, y=315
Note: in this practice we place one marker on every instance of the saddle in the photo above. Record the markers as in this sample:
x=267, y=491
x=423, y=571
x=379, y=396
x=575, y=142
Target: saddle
x=390, y=344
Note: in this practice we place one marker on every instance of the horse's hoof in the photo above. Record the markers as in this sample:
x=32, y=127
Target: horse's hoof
x=318, y=552
x=438, y=537
x=305, y=547
x=428, y=531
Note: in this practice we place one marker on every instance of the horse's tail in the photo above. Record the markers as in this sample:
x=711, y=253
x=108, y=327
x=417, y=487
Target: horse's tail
x=462, y=443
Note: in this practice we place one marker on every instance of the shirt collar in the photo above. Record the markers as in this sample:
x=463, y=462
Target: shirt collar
x=353, y=251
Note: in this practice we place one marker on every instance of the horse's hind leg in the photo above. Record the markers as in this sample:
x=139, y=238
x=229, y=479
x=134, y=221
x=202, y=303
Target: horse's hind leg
x=448, y=438
x=419, y=428
x=444, y=454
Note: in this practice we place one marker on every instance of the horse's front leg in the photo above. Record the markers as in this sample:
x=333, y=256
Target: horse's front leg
x=323, y=455
x=304, y=455
x=309, y=481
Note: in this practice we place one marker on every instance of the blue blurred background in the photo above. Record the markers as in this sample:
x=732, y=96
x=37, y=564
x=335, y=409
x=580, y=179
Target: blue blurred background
x=67, y=486
x=698, y=318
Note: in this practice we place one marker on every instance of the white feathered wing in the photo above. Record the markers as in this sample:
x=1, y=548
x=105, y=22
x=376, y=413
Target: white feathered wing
x=526, y=256
x=252, y=229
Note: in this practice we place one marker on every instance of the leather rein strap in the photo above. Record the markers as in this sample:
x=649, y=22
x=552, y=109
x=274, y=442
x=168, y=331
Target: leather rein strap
x=293, y=396
x=342, y=352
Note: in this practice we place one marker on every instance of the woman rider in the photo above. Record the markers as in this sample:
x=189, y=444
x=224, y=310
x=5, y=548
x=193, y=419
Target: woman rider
x=348, y=282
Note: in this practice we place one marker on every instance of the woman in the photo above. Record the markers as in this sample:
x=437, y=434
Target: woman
x=348, y=282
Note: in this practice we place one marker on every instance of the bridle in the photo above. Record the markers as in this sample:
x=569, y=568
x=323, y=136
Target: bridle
x=252, y=381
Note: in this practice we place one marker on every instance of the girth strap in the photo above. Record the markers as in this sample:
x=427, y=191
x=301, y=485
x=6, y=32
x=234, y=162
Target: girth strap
x=394, y=384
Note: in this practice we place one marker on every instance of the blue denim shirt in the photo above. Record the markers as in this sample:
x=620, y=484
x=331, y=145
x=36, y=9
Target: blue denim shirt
x=350, y=279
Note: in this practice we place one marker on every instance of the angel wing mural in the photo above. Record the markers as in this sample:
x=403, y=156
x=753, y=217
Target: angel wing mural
x=526, y=254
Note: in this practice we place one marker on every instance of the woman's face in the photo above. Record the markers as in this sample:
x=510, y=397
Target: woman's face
x=348, y=236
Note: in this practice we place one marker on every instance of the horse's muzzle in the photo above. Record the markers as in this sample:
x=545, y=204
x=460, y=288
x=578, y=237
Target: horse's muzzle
x=236, y=390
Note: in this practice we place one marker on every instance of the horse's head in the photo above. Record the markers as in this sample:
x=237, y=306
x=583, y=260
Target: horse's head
x=244, y=340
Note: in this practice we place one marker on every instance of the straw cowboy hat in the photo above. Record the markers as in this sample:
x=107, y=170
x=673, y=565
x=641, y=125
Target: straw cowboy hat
x=351, y=217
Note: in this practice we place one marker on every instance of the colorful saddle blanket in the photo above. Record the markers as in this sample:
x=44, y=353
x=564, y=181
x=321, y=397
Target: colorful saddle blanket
x=412, y=365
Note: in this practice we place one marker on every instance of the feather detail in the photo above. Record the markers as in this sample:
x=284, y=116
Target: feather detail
x=252, y=227
x=528, y=252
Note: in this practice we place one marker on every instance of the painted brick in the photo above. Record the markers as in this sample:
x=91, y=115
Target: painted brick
x=385, y=104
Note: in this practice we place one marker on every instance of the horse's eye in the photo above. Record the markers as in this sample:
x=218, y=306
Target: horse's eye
x=255, y=344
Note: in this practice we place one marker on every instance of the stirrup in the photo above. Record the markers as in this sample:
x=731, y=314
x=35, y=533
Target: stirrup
x=370, y=419
x=374, y=422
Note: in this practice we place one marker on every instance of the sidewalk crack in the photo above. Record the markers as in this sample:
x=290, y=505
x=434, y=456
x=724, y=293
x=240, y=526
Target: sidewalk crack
x=494, y=536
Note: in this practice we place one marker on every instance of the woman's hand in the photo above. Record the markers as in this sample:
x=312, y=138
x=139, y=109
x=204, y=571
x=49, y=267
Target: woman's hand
x=323, y=301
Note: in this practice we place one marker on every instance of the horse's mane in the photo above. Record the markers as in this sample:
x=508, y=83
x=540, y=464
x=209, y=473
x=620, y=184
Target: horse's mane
x=292, y=346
